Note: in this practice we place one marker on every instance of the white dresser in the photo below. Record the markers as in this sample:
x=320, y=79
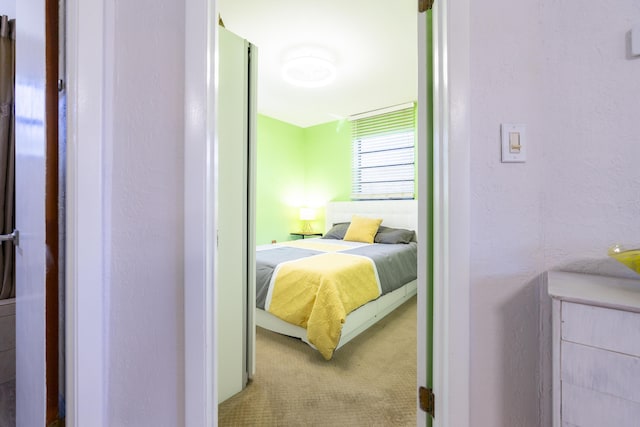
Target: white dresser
x=596, y=350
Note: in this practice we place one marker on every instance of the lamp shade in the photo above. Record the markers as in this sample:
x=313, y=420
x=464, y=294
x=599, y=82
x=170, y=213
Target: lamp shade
x=307, y=214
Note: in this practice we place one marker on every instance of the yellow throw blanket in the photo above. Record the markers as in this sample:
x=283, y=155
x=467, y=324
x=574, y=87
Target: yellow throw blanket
x=318, y=292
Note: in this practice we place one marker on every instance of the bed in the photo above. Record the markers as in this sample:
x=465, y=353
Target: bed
x=361, y=311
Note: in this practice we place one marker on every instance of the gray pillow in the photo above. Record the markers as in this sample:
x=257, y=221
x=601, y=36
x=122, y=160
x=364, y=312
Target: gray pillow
x=391, y=235
x=337, y=231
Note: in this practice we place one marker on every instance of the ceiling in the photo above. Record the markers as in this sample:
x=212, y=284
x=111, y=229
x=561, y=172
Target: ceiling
x=373, y=44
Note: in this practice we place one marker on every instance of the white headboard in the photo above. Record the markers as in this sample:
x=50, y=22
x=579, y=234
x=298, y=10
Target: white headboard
x=394, y=213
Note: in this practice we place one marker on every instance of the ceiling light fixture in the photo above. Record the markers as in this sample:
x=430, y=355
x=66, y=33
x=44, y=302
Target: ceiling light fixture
x=309, y=71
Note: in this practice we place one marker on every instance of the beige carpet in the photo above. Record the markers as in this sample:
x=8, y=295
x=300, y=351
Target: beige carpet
x=371, y=381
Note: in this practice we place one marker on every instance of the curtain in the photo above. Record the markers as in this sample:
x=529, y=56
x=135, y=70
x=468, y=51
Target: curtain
x=7, y=149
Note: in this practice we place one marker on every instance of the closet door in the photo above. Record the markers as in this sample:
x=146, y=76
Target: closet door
x=235, y=263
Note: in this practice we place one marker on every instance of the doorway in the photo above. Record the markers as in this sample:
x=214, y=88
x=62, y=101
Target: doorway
x=266, y=18
x=451, y=212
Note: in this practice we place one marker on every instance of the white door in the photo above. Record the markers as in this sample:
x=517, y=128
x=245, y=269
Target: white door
x=235, y=271
x=31, y=254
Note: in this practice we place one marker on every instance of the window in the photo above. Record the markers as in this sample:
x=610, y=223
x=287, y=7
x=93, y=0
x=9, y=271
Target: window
x=383, y=165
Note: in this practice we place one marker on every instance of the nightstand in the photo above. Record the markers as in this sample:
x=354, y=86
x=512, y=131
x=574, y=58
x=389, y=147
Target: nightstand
x=304, y=234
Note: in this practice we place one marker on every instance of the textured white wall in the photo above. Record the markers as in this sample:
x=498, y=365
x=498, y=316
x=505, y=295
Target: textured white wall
x=592, y=150
x=145, y=319
x=592, y=161
x=506, y=246
x=561, y=68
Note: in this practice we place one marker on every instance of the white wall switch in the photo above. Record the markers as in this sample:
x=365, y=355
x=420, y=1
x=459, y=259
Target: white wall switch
x=514, y=143
x=635, y=40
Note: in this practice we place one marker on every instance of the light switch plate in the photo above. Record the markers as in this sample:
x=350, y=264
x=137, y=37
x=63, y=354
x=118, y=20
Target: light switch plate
x=514, y=143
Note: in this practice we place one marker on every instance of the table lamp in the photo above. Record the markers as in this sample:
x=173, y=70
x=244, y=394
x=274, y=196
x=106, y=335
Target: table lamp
x=306, y=215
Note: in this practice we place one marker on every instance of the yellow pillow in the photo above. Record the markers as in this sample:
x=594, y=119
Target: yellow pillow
x=362, y=229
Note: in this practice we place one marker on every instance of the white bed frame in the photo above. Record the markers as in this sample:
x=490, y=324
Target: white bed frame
x=395, y=213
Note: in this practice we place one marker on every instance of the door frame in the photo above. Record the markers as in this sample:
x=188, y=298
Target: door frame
x=200, y=213
x=451, y=213
x=425, y=210
x=451, y=210
x=87, y=54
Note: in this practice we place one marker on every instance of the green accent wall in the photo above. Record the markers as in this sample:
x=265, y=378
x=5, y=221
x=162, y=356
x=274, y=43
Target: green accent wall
x=298, y=167
x=327, y=165
x=280, y=178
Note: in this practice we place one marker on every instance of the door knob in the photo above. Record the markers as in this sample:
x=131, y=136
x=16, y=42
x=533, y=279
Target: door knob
x=13, y=237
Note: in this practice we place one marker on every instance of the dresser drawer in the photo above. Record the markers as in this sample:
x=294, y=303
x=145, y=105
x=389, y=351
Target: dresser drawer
x=600, y=327
x=599, y=370
x=587, y=408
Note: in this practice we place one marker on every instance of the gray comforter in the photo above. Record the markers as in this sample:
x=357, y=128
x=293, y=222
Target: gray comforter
x=396, y=264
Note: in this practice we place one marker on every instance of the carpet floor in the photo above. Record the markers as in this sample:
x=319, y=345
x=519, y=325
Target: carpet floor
x=371, y=381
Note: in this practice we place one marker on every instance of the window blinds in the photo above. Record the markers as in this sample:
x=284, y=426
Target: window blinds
x=383, y=161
